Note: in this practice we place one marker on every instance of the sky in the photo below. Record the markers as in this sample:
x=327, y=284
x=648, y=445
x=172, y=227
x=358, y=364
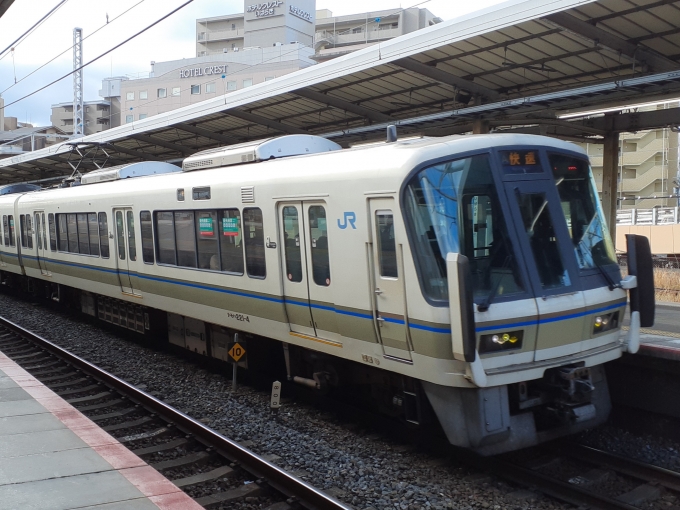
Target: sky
x=171, y=39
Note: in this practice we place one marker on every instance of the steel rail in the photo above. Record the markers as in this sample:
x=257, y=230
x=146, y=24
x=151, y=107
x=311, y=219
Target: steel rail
x=305, y=494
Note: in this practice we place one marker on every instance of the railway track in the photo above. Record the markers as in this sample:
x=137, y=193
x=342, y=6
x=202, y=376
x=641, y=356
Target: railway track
x=209, y=467
x=587, y=477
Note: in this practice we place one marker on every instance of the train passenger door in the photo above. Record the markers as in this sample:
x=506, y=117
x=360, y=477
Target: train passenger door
x=294, y=261
x=126, y=248
x=41, y=241
x=313, y=293
x=388, y=281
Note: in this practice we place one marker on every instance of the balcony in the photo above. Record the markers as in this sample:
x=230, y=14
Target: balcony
x=220, y=35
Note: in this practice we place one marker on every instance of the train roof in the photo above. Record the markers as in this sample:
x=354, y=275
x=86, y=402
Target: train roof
x=379, y=163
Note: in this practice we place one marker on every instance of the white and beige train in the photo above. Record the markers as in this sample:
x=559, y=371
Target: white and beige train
x=471, y=276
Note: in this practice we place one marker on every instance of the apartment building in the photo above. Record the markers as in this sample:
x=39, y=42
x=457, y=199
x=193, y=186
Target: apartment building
x=97, y=116
x=648, y=166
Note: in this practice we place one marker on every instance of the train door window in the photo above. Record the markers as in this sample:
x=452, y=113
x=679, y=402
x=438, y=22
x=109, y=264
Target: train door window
x=293, y=250
x=29, y=232
x=72, y=225
x=540, y=231
x=231, y=245
x=120, y=234
x=206, y=240
x=132, y=242
x=44, y=230
x=38, y=231
x=185, y=237
x=83, y=236
x=5, y=229
x=254, y=241
x=93, y=231
x=22, y=224
x=318, y=233
x=63, y=232
x=53, y=232
x=104, y=235
x=146, y=225
x=387, y=249
x=165, y=236
x=12, y=236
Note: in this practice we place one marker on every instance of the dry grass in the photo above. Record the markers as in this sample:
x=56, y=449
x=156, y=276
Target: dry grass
x=667, y=283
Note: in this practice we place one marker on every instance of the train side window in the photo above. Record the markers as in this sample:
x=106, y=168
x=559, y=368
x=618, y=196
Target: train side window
x=132, y=242
x=318, y=233
x=83, y=236
x=29, y=232
x=93, y=231
x=254, y=241
x=53, y=232
x=146, y=226
x=165, y=237
x=72, y=225
x=185, y=236
x=5, y=229
x=104, y=235
x=22, y=224
x=63, y=232
x=120, y=234
x=231, y=241
x=38, y=231
x=206, y=240
x=291, y=234
x=12, y=236
x=387, y=249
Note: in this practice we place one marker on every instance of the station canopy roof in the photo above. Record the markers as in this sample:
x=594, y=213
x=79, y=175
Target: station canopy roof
x=519, y=65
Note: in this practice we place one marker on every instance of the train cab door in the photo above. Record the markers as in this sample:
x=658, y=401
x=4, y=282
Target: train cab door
x=294, y=270
x=388, y=281
x=126, y=248
x=41, y=241
x=546, y=246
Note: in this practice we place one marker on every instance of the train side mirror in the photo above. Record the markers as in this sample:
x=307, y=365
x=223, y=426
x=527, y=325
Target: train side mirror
x=641, y=266
x=461, y=307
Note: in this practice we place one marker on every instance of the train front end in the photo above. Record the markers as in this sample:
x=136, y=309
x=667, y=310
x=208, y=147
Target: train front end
x=514, y=241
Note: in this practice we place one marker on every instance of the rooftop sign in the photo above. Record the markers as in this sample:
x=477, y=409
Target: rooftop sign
x=264, y=9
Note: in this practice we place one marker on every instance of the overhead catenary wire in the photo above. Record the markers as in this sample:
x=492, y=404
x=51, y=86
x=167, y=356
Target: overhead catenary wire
x=109, y=21
x=101, y=55
x=20, y=39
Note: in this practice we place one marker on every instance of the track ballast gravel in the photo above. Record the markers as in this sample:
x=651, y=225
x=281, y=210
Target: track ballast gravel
x=358, y=467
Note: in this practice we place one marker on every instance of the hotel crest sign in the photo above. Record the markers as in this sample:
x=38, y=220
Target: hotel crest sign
x=264, y=9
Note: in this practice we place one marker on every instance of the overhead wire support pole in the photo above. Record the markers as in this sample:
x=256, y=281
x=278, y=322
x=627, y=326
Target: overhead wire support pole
x=78, y=106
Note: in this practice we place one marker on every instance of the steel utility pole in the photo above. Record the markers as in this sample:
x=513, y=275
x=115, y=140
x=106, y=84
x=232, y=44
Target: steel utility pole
x=78, y=108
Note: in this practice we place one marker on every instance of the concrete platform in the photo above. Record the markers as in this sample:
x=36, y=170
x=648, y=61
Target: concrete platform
x=52, y=457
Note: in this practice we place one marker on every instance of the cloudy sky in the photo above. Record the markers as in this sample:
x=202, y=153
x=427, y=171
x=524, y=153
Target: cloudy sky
x=172, y=39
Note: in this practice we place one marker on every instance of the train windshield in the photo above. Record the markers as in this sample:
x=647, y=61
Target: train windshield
x=585, y=220
x=454, y=207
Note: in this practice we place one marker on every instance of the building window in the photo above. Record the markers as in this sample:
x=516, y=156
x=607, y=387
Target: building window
x=130, y=96
x=176, y=91
x=247, y=82
x=143, y=94
x=231, y=85
x=357, y=30
x=162, y=93
x=268, y=78
x=195, y=90
x=233, y=46
x=143, y=116
x=209, y=88
x=233, y=26
x=129, y=118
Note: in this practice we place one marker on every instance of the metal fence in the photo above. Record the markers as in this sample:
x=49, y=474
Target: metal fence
x=654, y=216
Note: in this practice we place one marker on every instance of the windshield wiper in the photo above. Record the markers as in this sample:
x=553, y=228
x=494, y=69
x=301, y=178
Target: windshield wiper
x=610, y=283
x=484, y=305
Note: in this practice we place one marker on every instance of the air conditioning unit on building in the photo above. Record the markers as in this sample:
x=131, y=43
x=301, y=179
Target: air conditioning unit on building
x=235, y=49
x=277, y=44
x=225, y=50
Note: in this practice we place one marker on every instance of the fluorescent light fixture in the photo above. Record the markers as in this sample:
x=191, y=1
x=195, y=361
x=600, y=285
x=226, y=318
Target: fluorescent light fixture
x=616, y=109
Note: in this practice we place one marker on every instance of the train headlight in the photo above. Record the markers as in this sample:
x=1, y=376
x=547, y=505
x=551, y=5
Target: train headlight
x=501, y=341
x=605, y=322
